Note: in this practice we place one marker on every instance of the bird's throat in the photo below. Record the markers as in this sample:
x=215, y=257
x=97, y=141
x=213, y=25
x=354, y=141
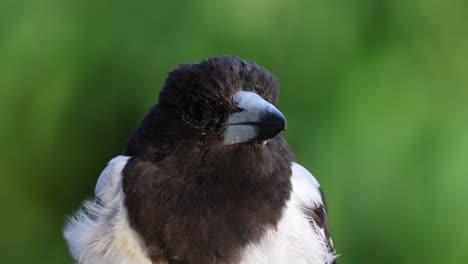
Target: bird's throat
x=204, y=209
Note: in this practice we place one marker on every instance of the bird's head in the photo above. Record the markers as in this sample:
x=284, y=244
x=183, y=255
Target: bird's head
x=222, y=101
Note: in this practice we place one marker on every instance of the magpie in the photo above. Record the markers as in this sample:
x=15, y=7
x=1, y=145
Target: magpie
x=206, y=178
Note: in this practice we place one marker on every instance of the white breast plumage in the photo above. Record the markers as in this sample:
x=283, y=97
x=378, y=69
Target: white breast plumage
x=295, y=239
x=100, y=232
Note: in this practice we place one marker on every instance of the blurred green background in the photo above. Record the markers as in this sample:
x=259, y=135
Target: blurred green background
x=375, y=92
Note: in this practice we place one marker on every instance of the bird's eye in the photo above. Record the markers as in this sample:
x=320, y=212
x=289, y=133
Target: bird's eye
x=196, y=111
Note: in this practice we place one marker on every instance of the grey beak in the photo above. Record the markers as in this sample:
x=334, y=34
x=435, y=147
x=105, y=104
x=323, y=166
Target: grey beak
x=256, y=119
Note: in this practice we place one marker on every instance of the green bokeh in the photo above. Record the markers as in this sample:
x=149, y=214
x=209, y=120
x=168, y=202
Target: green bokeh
x=375, y=92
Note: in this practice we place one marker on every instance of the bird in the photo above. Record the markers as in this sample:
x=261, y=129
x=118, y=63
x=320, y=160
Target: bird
x=206, y=178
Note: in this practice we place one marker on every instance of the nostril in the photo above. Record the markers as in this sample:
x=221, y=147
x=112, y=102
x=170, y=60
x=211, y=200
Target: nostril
x=238, y=109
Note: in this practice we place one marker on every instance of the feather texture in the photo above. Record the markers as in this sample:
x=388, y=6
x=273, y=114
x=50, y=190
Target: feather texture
x=295, y=240
x=100, y=232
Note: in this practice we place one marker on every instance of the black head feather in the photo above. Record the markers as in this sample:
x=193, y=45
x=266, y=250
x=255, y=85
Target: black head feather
x=196, y=100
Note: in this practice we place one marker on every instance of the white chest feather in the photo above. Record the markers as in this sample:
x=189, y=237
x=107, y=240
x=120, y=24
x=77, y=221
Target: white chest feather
x=100, y=233
x=294, y=241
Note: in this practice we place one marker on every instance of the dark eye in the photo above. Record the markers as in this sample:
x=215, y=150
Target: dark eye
x=196, y=111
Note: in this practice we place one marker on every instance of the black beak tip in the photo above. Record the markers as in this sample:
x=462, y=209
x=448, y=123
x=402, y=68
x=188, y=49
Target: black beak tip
x=275, y=124
x=284, y=124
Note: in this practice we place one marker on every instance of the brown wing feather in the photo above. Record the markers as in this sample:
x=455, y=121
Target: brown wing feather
x=320, y=218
